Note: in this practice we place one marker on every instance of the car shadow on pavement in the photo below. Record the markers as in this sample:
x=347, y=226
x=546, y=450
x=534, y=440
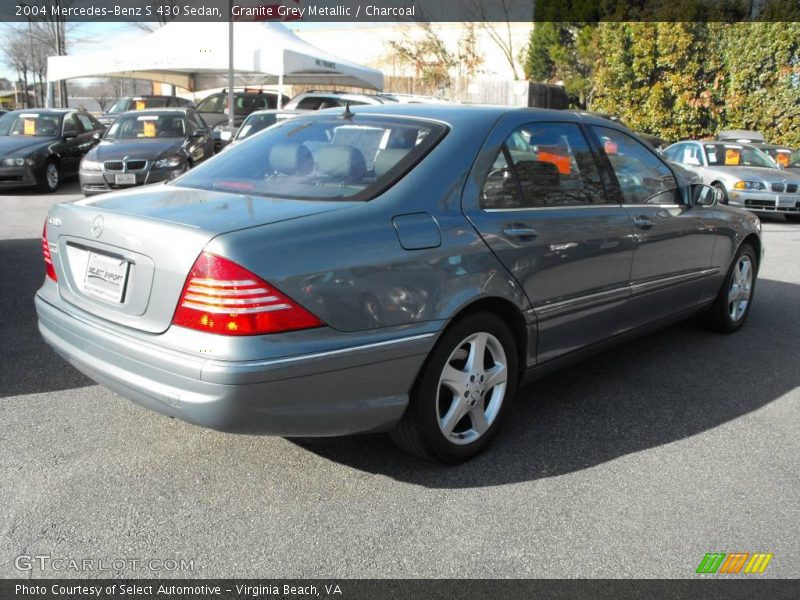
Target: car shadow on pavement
x=667, y=386
x=27, y=364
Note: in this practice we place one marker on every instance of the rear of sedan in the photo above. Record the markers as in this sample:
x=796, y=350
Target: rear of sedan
x=196, y=299
x=140, y=148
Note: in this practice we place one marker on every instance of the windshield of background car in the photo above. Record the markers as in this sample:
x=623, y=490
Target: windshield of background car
x=158, y=125
x=321, y=158
x=784, y=157
x=33, y=123
x=736, y=155
x=254, y=124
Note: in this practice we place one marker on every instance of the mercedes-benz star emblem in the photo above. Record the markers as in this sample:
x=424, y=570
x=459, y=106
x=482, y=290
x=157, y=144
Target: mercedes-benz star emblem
x=97, y=226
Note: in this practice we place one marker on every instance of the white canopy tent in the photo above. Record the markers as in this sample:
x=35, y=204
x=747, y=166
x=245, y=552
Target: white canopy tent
x=194, y=56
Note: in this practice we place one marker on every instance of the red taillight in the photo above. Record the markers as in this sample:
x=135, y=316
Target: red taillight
x=48, y=260
x=221, y=297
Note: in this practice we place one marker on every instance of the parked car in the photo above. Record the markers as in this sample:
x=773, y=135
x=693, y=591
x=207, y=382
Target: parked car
x=484, y=254
x=781, y=154
x=42, y=147
x=214, y=109
x=254, y=123
x=146, y=146
x=745, y=176
x=318, y=100
x=2, y=111
x=129, y=103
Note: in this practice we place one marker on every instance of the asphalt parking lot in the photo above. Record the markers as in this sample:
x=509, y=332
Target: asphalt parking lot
x=634, y=463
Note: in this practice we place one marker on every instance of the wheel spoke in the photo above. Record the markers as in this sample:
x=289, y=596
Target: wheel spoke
x=734, y=294
x=495, y=376
x=454, y=414
x=477, y=350
x=478, y=418
x=454, y=379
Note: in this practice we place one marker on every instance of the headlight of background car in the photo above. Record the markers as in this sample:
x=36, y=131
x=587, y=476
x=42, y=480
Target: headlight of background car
x=90, y=165
x=19, y=162
x=169, y=163
x=749, y=185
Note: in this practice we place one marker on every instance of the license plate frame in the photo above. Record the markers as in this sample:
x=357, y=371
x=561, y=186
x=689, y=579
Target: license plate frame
x=106, y=277
x=125, y=179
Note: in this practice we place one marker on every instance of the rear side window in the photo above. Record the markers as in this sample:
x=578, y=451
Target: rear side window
x=643, y=178
x=544, y=165
x=321, y=157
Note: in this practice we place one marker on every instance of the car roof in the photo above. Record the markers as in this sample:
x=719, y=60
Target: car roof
x=457, y=113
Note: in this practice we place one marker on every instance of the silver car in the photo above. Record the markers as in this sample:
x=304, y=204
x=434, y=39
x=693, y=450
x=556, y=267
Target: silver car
x=397, y=269
x=745, y=176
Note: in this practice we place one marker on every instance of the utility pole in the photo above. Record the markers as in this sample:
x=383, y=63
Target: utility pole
x=231, y=107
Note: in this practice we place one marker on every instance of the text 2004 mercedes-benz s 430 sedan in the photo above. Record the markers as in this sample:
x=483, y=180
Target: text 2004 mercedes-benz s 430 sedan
x=393, y=269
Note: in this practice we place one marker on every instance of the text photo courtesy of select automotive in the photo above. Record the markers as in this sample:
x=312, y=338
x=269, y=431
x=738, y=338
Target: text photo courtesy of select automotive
x=489, y=299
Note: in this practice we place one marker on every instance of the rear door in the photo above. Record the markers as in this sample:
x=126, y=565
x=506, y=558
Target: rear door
x=674, y=240
x=543, y=210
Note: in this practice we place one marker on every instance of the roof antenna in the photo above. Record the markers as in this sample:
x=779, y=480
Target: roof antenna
x=347, y=114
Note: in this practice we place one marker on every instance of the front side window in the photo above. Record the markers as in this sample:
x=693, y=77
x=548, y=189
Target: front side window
x=320, y=157
x=643, y=178
x=87, y=123
x=544, y=165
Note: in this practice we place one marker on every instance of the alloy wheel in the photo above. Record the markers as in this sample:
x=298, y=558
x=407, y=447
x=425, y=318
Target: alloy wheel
x=472, y=387
x=741, y=288
x=52, y=175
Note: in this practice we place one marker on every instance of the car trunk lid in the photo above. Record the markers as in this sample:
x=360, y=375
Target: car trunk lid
x=125, y=257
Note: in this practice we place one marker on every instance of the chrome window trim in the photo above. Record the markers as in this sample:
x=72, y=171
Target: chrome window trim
x=569, y=207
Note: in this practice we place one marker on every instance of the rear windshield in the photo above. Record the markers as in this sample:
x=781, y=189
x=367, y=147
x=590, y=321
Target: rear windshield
x=321, y=158
x=166, y=125
x=735, y=155
x=34, y=124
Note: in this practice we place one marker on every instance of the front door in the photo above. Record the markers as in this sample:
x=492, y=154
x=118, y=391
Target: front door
x=674, y=240
x=543, y=211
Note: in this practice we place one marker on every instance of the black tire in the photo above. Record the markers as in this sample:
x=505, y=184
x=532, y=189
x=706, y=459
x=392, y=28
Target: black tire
x=724, y=192
x=718, y=317
x=46, y=184
x=419, y=431
x=792, y=218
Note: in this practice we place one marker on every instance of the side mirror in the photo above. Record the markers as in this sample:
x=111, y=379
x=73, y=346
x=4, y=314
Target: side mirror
x=70, y=134
x=97, y=136
x=704, y=195
x=199, y=133
x=693, y=161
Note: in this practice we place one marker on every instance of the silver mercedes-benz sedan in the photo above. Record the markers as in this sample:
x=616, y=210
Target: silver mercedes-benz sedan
x=398, y=269
x=745, y=176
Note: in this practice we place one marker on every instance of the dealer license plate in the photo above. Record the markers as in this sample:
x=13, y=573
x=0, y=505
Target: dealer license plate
x=105, y=277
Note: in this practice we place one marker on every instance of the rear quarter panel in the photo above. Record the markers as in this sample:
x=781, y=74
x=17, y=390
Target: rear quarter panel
x=334, y=263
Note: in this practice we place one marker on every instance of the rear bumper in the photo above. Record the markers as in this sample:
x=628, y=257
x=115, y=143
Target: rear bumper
x=348, y=390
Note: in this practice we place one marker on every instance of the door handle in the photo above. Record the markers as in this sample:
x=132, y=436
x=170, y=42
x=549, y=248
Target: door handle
x=520, y=232
x=643, y=222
